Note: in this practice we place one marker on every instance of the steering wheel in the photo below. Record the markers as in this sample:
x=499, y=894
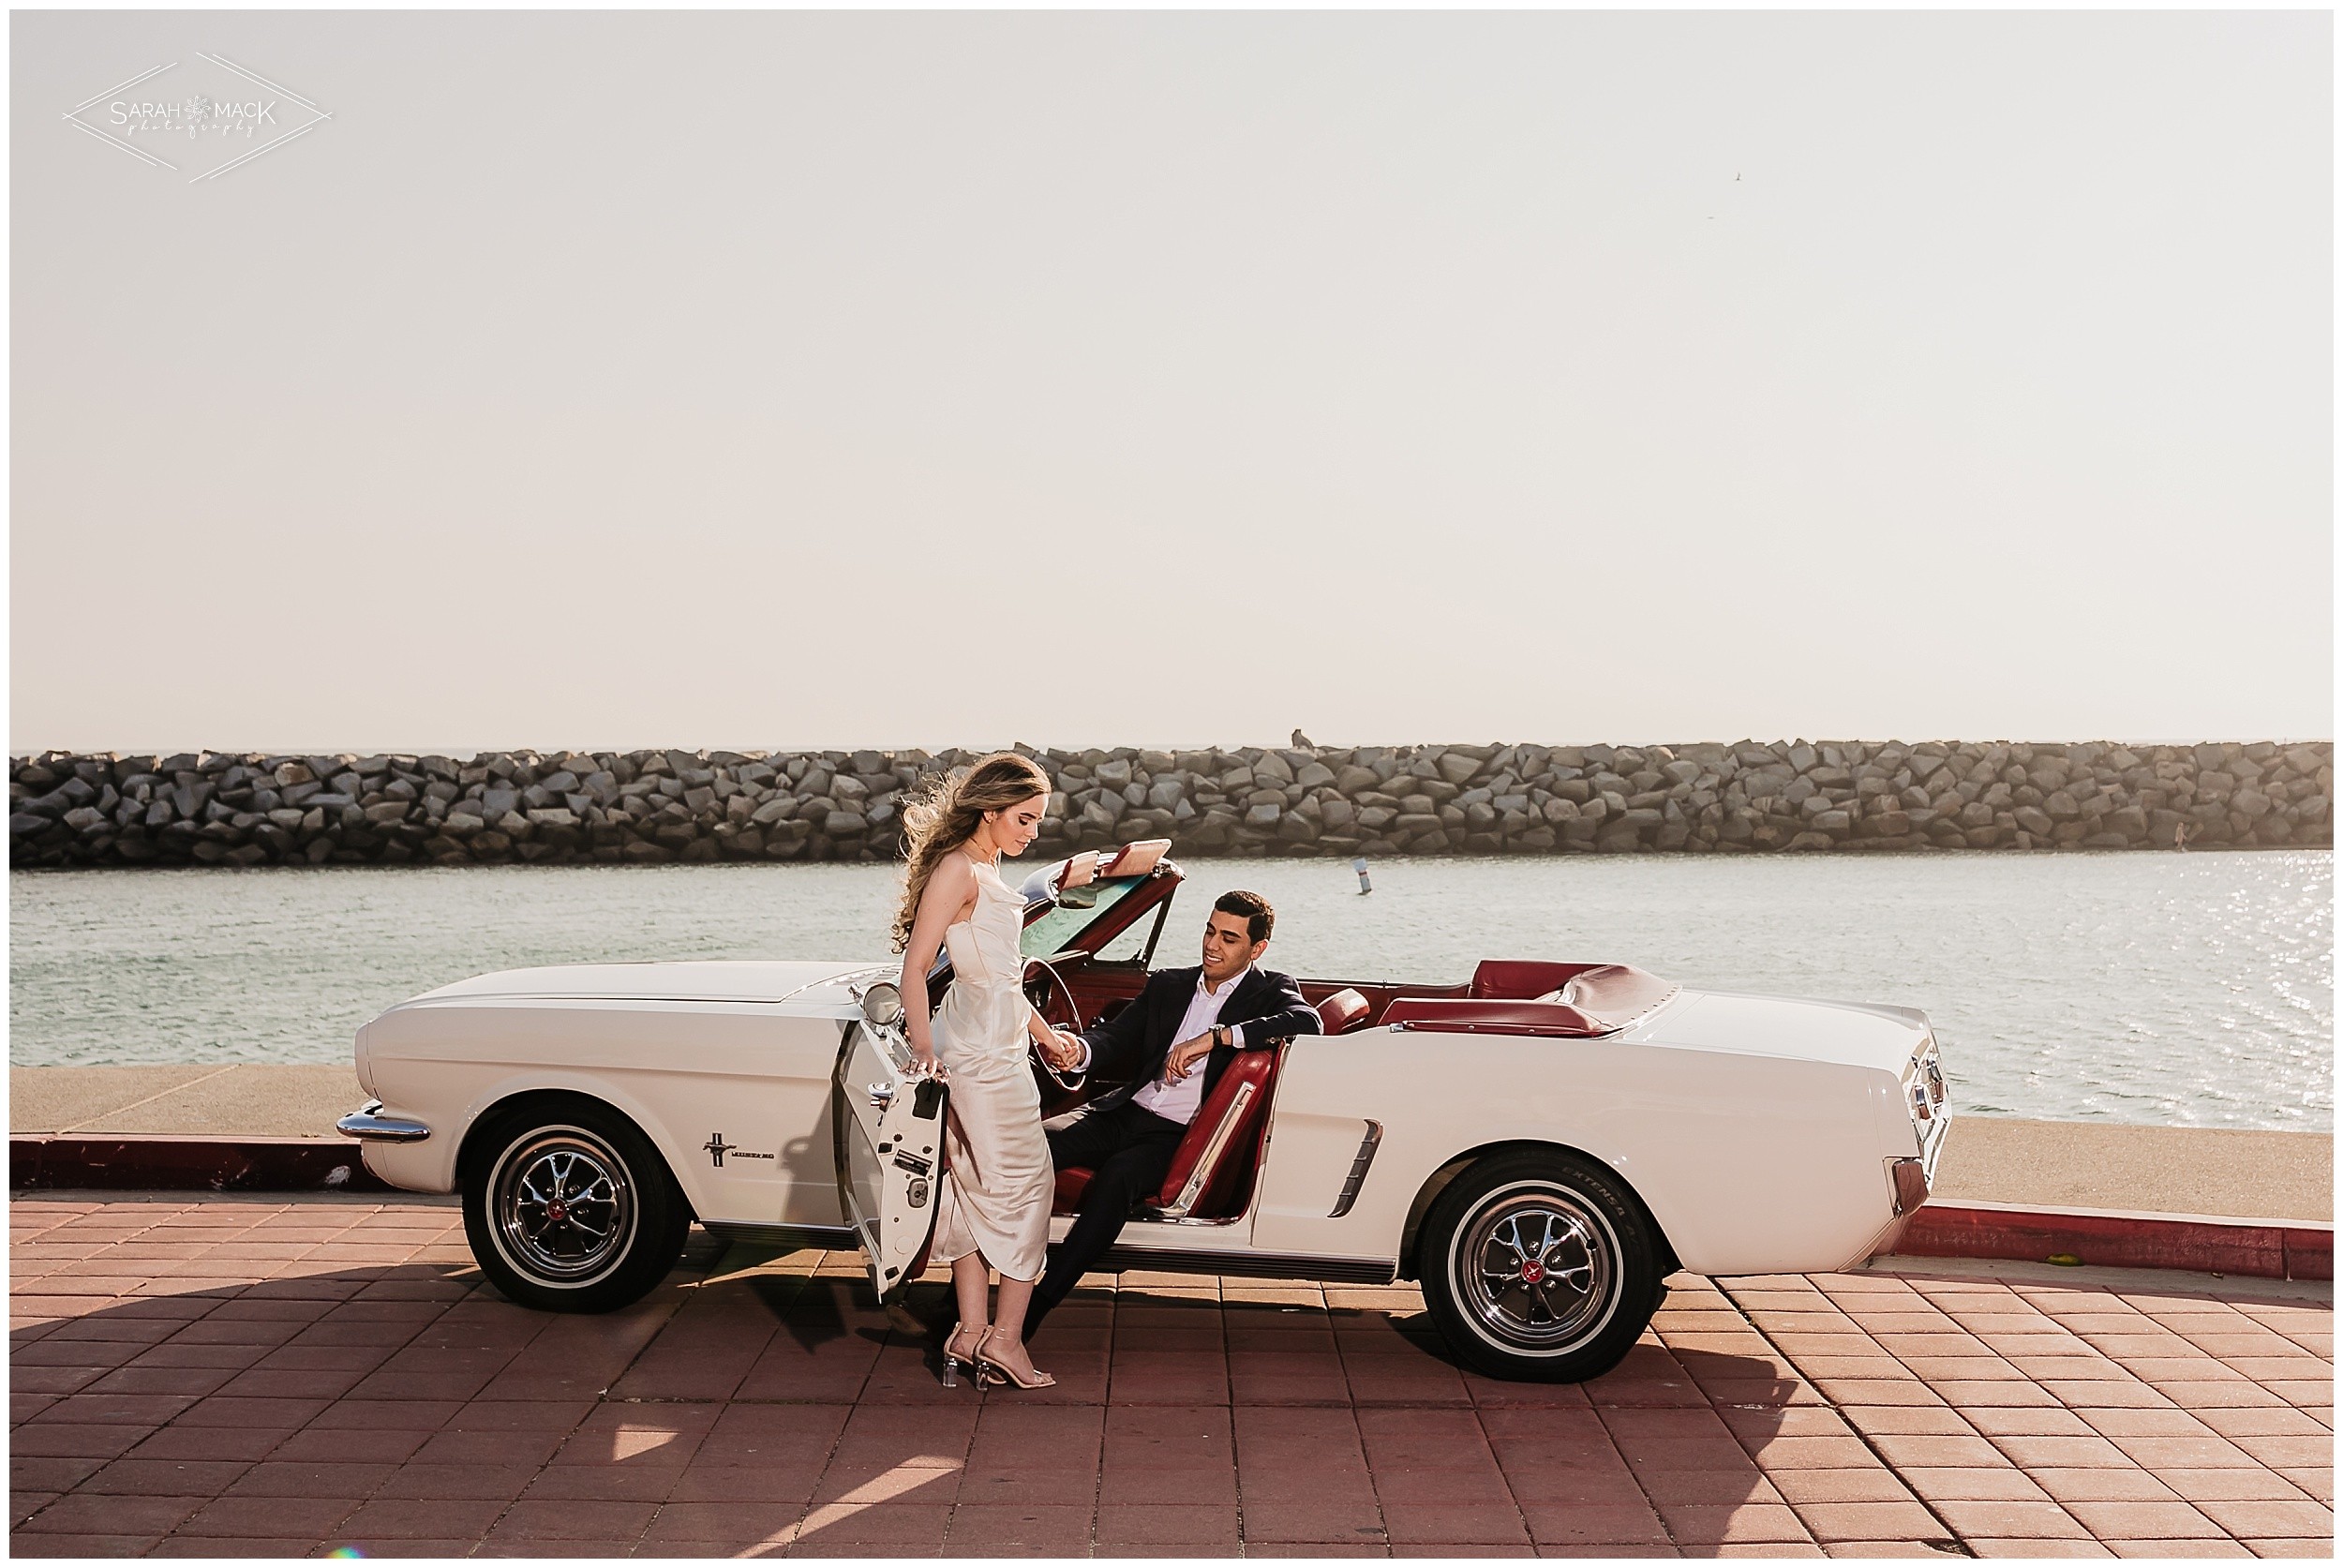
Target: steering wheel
x=1059, y=1009
x=1056, y=1001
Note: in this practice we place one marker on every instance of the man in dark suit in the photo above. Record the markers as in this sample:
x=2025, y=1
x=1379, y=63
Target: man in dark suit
x=1172, y=1043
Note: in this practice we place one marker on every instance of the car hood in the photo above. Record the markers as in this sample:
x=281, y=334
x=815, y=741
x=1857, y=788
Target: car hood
x=1851, y=1034
x=814, y=986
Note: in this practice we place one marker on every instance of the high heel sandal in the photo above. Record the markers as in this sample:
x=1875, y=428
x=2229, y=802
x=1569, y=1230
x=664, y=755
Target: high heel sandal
x=975, y=1360
x=1041, y=1379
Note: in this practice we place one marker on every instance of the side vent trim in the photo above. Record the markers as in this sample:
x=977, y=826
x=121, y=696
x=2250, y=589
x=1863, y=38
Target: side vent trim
x=1359, y=1163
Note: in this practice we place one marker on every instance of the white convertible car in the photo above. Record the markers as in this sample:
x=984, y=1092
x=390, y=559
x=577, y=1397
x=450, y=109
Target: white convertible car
x=1538, y=1146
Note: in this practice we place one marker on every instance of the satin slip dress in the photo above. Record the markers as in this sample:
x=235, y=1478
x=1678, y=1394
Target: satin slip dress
x=996, y=1192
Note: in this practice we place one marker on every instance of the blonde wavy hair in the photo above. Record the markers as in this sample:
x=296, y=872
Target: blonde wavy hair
x=947, y=815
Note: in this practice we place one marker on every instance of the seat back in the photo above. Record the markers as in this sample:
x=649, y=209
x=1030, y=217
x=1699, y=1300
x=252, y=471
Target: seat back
x=1342, y=1012
x=1518, y=979
x=1223, y=1132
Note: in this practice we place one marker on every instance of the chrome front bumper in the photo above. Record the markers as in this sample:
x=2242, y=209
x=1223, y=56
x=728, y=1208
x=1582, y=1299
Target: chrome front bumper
x=368, y=1127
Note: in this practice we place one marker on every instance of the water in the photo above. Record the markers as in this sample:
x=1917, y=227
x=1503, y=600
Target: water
x=2169, y=988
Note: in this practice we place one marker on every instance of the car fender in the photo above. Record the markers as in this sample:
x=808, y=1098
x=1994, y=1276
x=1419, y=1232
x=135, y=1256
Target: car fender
x=431, y=1165
x=745, y=1132
x=1748, y=1163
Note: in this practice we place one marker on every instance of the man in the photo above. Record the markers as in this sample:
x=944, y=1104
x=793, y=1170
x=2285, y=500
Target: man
x=1172, y=1043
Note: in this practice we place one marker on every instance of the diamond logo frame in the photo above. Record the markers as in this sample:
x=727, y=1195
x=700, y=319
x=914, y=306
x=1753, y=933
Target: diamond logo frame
x=197, y=115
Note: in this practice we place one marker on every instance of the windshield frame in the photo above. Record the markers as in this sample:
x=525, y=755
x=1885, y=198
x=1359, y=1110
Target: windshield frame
x=1109, y=918
x=1041, y=913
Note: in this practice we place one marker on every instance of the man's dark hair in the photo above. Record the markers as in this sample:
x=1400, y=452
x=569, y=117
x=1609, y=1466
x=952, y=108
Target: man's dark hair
x=1258, y=916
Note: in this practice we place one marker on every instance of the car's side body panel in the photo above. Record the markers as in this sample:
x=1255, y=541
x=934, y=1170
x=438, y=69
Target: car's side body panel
x=736, y=1095
x=1751, y=1164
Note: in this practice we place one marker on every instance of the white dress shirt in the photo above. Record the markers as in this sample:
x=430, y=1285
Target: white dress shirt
x=1180, y=1101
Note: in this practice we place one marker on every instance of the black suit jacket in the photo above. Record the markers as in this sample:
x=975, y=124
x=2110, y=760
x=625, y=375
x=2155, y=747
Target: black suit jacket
x=1135, y=1043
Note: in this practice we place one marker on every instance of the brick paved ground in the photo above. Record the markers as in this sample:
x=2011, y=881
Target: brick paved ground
x=220, y=1375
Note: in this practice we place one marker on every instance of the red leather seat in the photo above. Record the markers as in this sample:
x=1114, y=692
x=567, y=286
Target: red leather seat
x=1204, y=1166
x=1208, y=1168
x=1227, y=1125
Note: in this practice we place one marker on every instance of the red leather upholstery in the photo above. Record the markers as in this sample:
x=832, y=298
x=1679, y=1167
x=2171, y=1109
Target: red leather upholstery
x=1593, y=998
x=1205, y=1158
x=1519, y=979
x=1209, y=1164
x=1222, y=1143
x=1342, y=1012
x=1466, y=1016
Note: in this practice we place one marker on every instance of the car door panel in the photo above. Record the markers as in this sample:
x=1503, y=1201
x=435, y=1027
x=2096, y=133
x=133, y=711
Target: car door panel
x=889, y=1137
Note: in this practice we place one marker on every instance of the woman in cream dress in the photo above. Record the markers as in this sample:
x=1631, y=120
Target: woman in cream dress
x=992, y=1202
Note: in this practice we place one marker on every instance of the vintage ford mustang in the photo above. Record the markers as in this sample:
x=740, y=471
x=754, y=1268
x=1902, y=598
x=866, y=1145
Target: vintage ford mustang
x=1539, y=1146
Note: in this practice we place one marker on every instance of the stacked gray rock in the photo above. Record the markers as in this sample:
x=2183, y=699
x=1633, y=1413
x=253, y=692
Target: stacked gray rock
x=244, y=809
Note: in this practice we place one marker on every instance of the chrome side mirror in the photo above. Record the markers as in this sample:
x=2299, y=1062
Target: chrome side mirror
x=882, y=1004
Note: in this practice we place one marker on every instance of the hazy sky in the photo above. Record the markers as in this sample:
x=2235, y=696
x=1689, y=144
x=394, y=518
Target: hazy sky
x=724, y=380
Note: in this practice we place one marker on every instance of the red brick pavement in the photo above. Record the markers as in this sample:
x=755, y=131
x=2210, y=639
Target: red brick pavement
x=241, y=1376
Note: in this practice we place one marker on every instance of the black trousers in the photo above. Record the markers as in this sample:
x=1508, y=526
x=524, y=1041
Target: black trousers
x=1129, y=1149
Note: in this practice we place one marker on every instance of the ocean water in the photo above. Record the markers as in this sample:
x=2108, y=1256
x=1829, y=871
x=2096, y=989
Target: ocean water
x=2167, y=989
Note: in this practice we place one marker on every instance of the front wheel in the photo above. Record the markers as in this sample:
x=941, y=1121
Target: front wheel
x=568, y=1208
x=1540, y=1267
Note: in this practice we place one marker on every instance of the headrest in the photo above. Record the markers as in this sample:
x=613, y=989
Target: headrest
x=1345, y=1010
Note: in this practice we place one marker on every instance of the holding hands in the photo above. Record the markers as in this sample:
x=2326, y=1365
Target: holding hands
x=1062, y=1050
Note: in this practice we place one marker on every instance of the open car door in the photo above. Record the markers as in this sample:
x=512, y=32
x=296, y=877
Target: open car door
x=890, y=1127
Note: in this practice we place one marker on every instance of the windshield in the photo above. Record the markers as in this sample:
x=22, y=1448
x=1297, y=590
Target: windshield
x=1058, y=926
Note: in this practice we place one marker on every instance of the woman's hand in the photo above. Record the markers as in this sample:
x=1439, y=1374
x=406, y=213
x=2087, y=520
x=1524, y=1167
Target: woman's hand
x=1063, y=1051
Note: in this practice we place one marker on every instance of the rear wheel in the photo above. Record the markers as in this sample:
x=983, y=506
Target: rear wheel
x=568, y=1208
x=1540, y=1266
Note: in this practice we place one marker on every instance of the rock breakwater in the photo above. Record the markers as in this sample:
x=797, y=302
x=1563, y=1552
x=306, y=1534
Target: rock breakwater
x=651, y=806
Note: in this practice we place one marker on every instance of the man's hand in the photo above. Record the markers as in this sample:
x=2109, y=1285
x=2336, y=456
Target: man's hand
x=1064, y=1052
x=1185, y=1056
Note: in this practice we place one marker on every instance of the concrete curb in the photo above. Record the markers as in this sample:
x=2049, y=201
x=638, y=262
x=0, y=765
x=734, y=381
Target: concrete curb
x=167, y=1164
x=2113, y=1238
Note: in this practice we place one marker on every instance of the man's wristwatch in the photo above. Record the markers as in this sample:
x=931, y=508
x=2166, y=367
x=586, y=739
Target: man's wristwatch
x=1220, y=1034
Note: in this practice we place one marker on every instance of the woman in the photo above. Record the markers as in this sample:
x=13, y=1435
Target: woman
x=993, y=1203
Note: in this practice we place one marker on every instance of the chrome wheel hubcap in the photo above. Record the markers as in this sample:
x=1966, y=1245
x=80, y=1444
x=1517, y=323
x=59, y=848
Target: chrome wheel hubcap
x=1537, y=1270
x=564, y=1208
